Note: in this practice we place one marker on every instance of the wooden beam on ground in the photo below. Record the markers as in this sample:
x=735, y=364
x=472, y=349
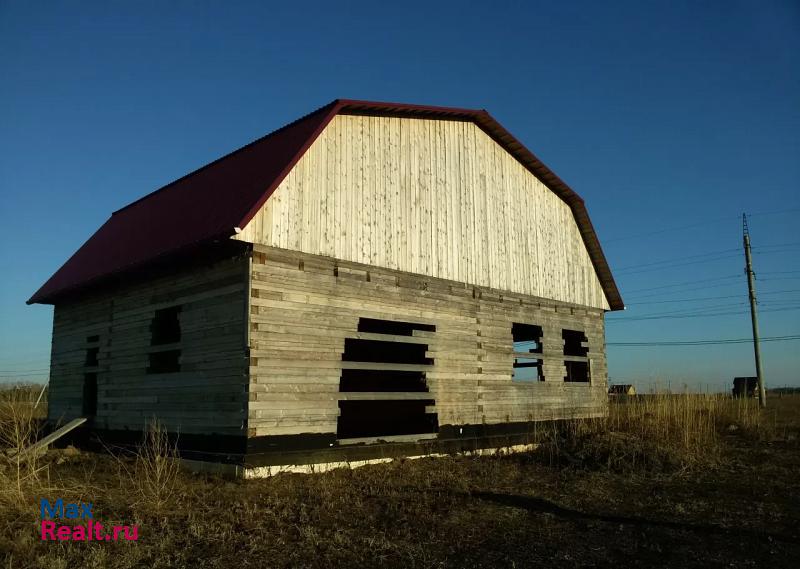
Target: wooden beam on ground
x=51, y=438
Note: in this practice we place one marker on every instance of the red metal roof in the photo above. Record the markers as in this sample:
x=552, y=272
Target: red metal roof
x=209, y=203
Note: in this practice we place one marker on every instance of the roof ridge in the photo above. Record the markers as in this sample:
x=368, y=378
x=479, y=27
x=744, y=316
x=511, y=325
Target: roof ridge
x=344, y=103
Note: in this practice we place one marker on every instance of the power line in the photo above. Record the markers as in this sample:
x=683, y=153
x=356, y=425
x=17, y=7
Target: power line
x=773, y=251
x=706, y=342
x=779, y=273
x=694, y=310
x=667, y=317
x=786, y=303
x=703, y=223
x=678, y=262
x=772, y=212
x=686, y=311
x=683, y=290
x=674, y=265
x=715, y=279
x=28, y=359
x=668, y=229
x=16, y=375
x=681, y=287
x=707, y=288
x=699, y=298
x=770, y=279
x=674, y=259
x=795, y=244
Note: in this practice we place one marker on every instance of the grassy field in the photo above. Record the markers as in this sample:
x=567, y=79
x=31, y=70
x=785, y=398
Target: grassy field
x=665, y=481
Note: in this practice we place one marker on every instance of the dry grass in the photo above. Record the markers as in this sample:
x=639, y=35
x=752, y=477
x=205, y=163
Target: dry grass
x=152, y=476
x=661, y=473
x=665, y=432
x=20, y=427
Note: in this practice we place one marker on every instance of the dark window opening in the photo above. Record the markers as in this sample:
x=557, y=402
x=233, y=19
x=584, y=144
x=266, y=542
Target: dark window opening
x=382, y=417
x=164, y=362
x=90, y=339
x=165, y=327
x=354, y=380
x=385, y=418
x=92, y=357
x=527, y=339
x=392, y=327
x=577, y=366
x=89, y=394
x=385, y=352
x=577, y=371
x=573, y=343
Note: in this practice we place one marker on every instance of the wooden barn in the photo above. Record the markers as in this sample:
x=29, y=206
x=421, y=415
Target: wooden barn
x=371, y=280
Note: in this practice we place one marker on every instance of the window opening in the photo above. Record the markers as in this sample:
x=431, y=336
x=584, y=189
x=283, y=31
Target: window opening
x=527, y=339
x=388, y=383
x=576, y=360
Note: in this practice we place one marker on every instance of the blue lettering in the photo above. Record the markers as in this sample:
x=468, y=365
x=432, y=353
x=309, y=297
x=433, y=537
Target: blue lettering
x=52, y=510
x=86, y=510
x=59, y=510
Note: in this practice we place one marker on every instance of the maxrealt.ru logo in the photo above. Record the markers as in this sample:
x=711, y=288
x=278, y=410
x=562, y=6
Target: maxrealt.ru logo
x=92, y=531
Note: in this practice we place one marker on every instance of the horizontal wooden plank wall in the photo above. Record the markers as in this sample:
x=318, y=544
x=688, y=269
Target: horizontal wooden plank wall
x=303, y=307
x=431, y=197
x=208, y=395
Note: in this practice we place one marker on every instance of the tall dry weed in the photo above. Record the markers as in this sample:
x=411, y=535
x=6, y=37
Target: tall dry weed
x=153, y=475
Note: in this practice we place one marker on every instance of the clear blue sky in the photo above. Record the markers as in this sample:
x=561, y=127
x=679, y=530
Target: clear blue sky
x=669, y=118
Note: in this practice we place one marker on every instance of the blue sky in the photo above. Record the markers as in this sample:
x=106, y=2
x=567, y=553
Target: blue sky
x=669, y=118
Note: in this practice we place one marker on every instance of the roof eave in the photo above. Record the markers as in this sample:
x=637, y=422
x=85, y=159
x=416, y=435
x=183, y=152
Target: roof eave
x=70, y=290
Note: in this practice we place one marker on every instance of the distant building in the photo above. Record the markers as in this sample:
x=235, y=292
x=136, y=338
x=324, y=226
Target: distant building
x=745, y=386
x=621, y=389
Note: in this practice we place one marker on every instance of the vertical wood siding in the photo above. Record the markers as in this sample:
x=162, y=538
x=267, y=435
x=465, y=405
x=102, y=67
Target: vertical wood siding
x=431, y=197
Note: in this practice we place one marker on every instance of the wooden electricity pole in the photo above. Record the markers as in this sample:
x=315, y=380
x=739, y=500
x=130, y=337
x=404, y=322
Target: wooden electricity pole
x=751, y=285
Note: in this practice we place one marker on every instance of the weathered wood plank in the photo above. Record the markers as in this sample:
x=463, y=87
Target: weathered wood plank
x=208, y=395
x=298, y=336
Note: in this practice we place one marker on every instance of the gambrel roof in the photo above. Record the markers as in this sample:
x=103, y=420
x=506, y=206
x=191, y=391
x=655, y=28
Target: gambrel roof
x=212, y=203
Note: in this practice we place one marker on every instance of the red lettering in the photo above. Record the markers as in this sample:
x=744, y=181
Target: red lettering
x=48, y=528
x=92, y=531
x=64, y=533
x=132, y=536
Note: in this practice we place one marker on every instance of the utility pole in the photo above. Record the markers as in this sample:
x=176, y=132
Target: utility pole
x=751, y=286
